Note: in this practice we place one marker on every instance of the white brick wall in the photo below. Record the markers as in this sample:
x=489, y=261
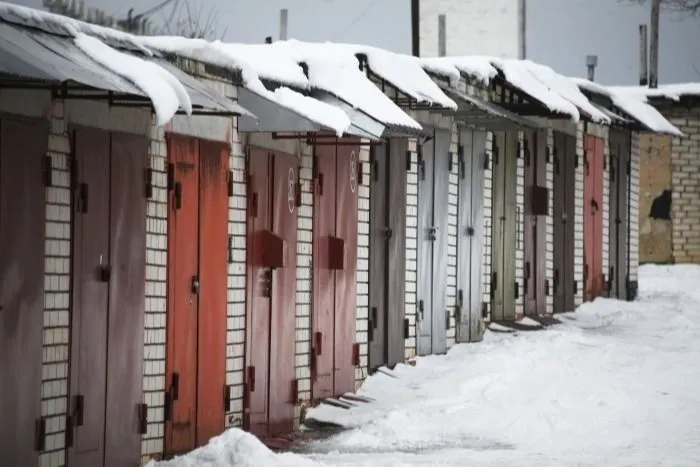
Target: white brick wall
x=634, y=209
x=362, y=316
x=520, y=230
x=473, y=27
x=452, y=220
x=488, y=222
x=54, y=390
x=549, y=274
x=578, y=217
x=411, y=248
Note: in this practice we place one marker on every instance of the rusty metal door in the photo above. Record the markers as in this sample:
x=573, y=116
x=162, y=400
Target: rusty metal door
x=535, y=223
x=347, y=160
x=618, y=275
x=183, y=304
x=23, y=145
x=127, y=289
x=212, y=395
x=470, y=234
x=593, y=217
x=504, y=233
x=283, y=390
x=86, y=421
x=387, y=328
x=323, y=295
x=257, y=366
x=378, y=258
x=564, y=284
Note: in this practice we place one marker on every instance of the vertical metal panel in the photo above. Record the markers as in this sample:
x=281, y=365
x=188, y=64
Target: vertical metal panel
x=564, y=198
x=534, y=225
x=378, y=275
x=257, y=357
x=619, y=211
x=285, y=174
x=441, y=170
x=477, y=178
x=511, y=237
x=89, y=297
x=346, y=278
x=213, y=279
x=592, y=218
x=23, y=144
x=497, y=222
x=396, y=251
x=425, y=248
x=127, y=290
x=465, y=232
x=323, y=298
x=183, y=261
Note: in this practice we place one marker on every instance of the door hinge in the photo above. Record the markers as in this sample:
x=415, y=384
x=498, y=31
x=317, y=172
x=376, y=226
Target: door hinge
x=143, y=418
x=576, y=157
x=494, y=284
x=548, y=155
x=250, y=378
x=450, y=162
x=171, y=176
x=314, y=167
x=518, y=150
x=375, y=168
x=517, y=290
x=105, y=273
x=494, y=152
x=605, y=162
x=421, y=165
x=546, y=287
x=575, y=287
x=82, y=198
x=267, y=283
x=612, y=172
x=526, y=153
x=409, y=156
x=460, y=298
x=70, y=431
x=47, y=171
x=227, y=398
x=527, y=270
x=229, y=183
x=40, y=434
x=406, y=328
x=319, y=183
x=421, y=309
x=177, y=196
x=356, y=354
x=484, y=310
x=447, y=319
x=556, y=280
x=462, y=165
x=295, y=391
x=360, y=173
x=297, y=194
x=585, y=272
x=486, y=161
x=148, y=182
x=78, y=412
x=373, y=317
x=629, y=166
x=230, y=249
x=318, y=343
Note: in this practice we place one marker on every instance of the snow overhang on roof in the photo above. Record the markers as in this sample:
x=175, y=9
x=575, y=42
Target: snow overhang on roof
x=39, y=49
x=481, y=113
x=633, y=102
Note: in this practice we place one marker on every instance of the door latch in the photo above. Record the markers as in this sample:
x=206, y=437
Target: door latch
x=195, y=285
x=432, y=233
x=421, y=308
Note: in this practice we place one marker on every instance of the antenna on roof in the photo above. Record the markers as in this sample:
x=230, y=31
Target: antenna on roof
x=284, y=16
x=442, y=36
x=591, y=63
x=643, y=63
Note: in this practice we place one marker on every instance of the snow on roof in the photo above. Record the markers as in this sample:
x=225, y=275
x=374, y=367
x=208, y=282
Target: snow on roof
x=668, y=91
x=477, y=67
x=633, y=101
x=338, y=73
x=405, y=72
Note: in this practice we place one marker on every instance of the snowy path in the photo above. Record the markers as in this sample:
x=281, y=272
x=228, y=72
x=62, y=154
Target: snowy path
x=617, y=384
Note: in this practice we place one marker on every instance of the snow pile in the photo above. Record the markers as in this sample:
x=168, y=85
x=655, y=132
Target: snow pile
x=164, y=90
x=320, y=112
x=234, y=448
x=633, y=101
x=615, y=384
x=477, y=67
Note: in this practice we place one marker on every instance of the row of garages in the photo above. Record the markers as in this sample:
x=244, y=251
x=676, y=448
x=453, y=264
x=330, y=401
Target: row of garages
x=300, y=218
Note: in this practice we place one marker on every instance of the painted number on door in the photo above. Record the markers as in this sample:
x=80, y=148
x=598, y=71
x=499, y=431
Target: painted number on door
x=291, y=196
x=353, y=171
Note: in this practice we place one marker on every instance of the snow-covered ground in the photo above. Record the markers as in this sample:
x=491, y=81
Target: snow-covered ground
x=617, y=384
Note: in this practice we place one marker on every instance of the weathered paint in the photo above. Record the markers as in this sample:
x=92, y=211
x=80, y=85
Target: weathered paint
x=23, y=145
x=387, y=254
x=504, y=233
x=470, y=234
x=564, y=158
x=594, y=156
x=433, y=195
x=620, y=153
x=535, y=223
x=655, y=199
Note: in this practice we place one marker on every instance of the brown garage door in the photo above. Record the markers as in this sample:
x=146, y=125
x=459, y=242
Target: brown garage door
x=23, y=145
x=104, y=424
x=197, y=289
x=270, y=384
x=335, y=266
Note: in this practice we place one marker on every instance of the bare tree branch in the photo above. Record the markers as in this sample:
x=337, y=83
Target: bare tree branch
x=688, y=7
x=191, y=21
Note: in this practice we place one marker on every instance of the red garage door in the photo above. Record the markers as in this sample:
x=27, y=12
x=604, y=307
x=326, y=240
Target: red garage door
x=593, y=217
x=334, y=353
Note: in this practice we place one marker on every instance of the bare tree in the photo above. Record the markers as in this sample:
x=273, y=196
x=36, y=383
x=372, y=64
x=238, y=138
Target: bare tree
x=184, y=19
x=689, y=7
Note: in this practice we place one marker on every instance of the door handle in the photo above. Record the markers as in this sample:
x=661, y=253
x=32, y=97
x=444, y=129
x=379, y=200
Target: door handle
x=374, y=317
x=195, y=285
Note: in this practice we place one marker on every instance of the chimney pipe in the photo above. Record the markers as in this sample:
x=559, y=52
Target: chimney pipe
x=643, y=59
x=284, y=15
x=415, y=28
x=442, y=36
x=654, y=44
x=591, y=63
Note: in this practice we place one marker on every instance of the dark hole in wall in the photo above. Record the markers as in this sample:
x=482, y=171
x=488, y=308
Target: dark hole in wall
x=661, y=207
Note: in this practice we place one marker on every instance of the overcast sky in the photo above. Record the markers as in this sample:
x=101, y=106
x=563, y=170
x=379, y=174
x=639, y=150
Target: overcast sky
x=560, y=33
